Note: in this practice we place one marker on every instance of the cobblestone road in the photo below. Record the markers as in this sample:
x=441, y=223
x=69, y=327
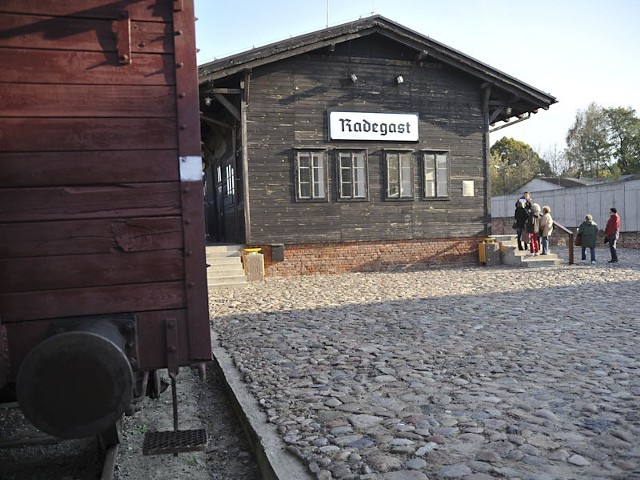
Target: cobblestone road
x=472, y=373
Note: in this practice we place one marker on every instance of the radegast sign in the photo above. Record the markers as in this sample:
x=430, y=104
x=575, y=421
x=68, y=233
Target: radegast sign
x=387, y=127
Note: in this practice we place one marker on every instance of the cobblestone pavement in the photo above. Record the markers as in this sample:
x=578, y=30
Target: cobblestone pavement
x=472, y=373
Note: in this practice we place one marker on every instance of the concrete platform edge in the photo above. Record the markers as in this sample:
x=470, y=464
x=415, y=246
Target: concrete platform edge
x=273, y=459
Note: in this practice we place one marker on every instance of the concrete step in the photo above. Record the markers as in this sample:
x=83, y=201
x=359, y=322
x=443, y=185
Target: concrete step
x=510, y=255
x=541, y=260
x=224, y=266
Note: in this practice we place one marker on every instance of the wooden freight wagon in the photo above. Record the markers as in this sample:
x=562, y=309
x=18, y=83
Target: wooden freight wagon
x=101, y=206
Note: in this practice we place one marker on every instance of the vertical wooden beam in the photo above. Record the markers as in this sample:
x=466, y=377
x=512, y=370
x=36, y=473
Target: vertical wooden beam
x=190, y=163
x=485, y=158
x=245, y=158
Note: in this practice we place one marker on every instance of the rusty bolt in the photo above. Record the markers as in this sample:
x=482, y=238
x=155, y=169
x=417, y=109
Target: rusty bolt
x=180, y=64
x=172, y=348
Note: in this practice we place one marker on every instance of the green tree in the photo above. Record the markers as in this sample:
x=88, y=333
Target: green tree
x=624, y=137
x=588, y=150
x=512, y=164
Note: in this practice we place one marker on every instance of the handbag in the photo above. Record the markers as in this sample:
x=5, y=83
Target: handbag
x=578, y=240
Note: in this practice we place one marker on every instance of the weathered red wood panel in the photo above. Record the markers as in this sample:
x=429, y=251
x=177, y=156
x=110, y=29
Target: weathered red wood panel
x=40, y=169
x=138, y=9
x=64, y=134
x=37, y=100
x=83, y=271
x=44, y=66
x=41, y=239
x=91, y=301
x=62, y=33
x=64, y=203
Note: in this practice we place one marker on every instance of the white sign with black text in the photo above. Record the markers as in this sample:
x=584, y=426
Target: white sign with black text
x=387, y=127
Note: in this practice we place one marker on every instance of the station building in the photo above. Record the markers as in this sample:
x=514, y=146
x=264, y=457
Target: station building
x=358, y=147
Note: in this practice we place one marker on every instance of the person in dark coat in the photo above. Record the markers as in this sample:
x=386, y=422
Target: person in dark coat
x=520, y=222
x=588, y=230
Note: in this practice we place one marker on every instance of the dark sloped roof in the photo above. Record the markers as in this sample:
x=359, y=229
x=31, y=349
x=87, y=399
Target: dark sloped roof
x=511, y=92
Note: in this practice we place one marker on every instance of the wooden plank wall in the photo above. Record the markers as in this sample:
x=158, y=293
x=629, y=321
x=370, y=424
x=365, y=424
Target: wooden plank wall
x=287, y=109
x=90, y=200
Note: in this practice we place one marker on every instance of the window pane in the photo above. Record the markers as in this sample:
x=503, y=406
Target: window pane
x=304, y=176
x=345, y=175
x=442, y=175
x=360, y=180
x=406, y=186
x=311, y=175
x=318, y=176
x=393, y=176
x=429, y=175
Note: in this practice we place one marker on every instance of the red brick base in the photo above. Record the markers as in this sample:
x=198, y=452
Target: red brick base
x=306, y=259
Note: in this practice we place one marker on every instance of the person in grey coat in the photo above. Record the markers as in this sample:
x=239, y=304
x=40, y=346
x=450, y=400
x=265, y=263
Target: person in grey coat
x=588, y=231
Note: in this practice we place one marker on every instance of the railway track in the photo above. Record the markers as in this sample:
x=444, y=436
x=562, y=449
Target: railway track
x=27, y=454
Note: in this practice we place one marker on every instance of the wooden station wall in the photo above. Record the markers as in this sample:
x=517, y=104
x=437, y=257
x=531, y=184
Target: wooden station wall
x=287, y=109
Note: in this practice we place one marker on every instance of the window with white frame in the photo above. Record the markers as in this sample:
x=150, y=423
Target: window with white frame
x=399, y=175
x=311, y=176
x=352, y=173
x=436, y=174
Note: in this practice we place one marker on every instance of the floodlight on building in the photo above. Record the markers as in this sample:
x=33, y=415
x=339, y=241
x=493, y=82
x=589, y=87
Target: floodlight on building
x=354, y=77
x=399, y=79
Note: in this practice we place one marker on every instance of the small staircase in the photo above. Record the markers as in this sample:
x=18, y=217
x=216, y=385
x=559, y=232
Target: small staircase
x=224, y=266
x=510, y=255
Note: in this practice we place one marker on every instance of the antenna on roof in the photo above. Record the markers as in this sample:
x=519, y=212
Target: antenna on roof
x=327, y=13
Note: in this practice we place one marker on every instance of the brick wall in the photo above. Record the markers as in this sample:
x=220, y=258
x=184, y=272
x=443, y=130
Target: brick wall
x=307, y=259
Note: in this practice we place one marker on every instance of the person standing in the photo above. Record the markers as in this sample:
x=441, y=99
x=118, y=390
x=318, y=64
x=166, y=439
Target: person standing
x=612, y=234
x=546, y=227
x=526, y=202
x=588, y=231
x=521, y=217
x=533, y=228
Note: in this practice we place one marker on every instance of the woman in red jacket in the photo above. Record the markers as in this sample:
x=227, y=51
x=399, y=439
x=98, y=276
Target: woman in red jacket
x=612, y=233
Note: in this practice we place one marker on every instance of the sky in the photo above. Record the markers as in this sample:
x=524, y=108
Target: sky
x=579, y=51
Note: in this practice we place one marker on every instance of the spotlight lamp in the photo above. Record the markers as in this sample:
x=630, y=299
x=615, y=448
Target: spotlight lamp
x=354, y=77
x=207, y=101
x=399, y=79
